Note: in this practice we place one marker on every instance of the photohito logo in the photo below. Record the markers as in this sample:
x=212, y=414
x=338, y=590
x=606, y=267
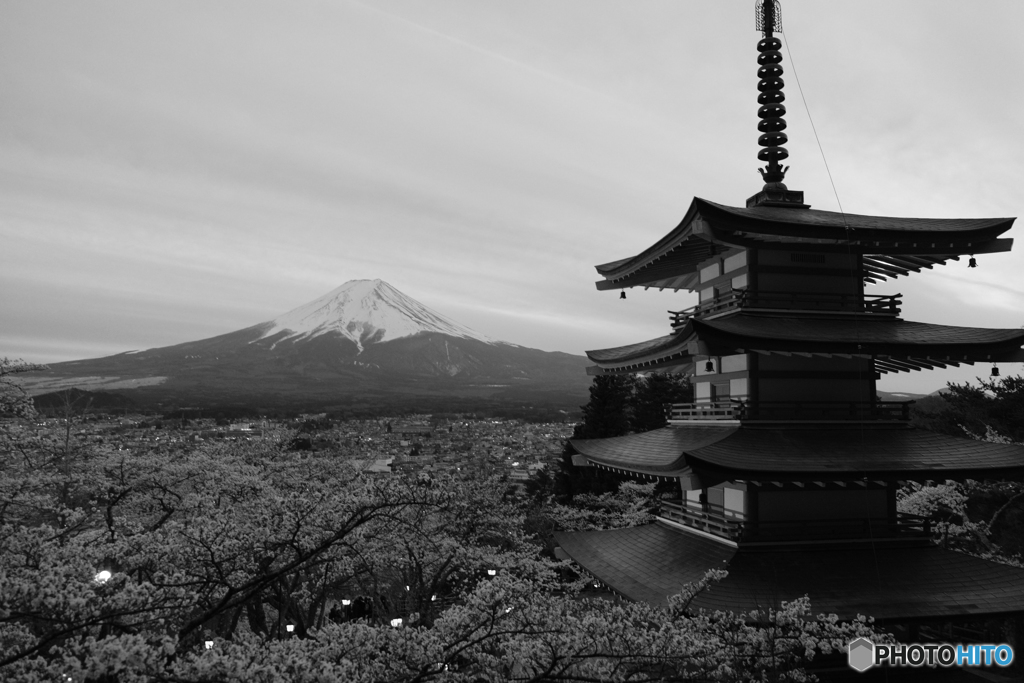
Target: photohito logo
x=862, y=654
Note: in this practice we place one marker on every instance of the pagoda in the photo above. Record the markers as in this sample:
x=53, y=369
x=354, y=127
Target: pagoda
x=787, y=463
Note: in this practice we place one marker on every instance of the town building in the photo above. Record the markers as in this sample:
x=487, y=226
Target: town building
x=788, y=465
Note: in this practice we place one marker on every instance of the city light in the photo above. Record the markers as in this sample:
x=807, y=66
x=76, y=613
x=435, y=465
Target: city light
x=290, y=628
x=209, y=644
x=345, y=602
x=396, y=622
x=103, y=576
x=492, y=572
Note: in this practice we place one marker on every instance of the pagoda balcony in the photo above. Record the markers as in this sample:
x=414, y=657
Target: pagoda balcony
x=734, y=526
x=712, y=519
x=791, y=411
x=789, y=302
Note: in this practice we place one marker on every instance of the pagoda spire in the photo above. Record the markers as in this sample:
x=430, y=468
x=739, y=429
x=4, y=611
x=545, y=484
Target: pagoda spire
x=772, y=110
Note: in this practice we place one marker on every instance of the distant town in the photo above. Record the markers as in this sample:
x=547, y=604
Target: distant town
x=465, y=447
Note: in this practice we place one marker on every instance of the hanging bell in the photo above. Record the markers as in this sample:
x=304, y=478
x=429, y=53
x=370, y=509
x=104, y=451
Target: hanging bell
x=622, y=295
x=709, y=366
x=973, y=263
x=995, y=371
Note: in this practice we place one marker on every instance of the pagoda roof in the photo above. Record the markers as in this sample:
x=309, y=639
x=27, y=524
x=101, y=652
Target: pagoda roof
x=892, y=245
x=763, y=453
x=660, y=451
x=655, y=348
x=891, y=336
x=790, y=222
x=649, y=563
x=920, y=345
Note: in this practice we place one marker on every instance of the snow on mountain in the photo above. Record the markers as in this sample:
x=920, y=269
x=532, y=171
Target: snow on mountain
x=366, y=312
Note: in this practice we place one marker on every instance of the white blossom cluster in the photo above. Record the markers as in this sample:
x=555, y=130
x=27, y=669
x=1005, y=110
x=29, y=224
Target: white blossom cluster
x=247, y=562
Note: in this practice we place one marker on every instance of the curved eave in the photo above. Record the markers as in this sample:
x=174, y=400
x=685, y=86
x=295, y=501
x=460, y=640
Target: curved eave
x=892, y=337
x=886, y=231
x=755, y=453
x=896, y=345
x=660, y=452
x=674, y=267
x=622, y=267
x=670, y=351
x=892, y=246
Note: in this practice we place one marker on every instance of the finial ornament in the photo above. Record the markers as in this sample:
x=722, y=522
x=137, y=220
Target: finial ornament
x=772, y=125
x=761, y=19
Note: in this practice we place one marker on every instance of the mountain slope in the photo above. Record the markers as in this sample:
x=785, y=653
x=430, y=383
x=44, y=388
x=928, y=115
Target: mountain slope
x=364, y=340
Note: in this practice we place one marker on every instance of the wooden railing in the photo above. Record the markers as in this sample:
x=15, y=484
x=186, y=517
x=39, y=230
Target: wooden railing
x=828, y=411
x=713, y=519
x=888, y=305
x=719, y=521
x=714, y=410
x=727, y=301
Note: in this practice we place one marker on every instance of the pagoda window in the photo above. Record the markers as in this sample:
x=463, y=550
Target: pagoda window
x=720, y=391
x=734, y=363
x=710, y=272
x=702, y=392
x=740, y=281
x=734, y=502
x=735, y=262
x=729, y=499
x=739, y=388
x=708, y=294
x=716, y=496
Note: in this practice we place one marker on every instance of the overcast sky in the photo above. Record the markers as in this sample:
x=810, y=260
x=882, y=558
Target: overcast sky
x=177, y=170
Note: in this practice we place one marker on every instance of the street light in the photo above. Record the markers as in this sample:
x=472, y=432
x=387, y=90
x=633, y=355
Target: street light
x=492, y=572
x=103, y=576
x=290, y=628
x=395, y=623
x=209, y=644
x=345, y=602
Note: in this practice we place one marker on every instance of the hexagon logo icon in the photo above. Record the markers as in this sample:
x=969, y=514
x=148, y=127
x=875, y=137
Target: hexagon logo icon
x=861, y=654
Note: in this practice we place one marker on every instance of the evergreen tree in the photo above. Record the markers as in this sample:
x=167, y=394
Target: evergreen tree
x=998, y=404
x=984, y=512
x=619, y=405
x=607, y=414
x=650, y=397
x=609, y=411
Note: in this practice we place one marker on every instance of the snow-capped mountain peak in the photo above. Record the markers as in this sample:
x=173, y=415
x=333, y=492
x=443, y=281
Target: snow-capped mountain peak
x=366, y=312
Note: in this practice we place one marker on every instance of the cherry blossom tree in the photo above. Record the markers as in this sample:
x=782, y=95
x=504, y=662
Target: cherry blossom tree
x=228, y=562
x=13, y=399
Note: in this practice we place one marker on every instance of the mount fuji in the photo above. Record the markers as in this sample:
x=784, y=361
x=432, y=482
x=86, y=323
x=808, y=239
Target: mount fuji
x=362, y=343
x=365, y=312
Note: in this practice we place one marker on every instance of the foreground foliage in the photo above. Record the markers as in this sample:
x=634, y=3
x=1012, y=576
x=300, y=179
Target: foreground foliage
x=984, y=518
x=214, y=551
